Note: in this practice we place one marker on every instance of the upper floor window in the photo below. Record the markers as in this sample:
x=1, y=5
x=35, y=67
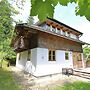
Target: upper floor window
x=68, y=34
x=53, y=29
x=51, y=55
x=64, y=33
x=66, y=55
x=58, y=31
x=47, y=27
x=77, y=37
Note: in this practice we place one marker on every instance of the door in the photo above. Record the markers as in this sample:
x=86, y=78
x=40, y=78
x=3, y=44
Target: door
x=77, y=60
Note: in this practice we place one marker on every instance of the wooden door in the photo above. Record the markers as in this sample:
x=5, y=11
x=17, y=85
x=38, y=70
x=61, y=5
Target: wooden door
x=77, y=63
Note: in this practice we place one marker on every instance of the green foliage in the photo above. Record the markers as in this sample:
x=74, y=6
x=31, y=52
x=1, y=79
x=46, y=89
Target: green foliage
x=6, y=29
x=6, y=80
x=45, y=8
x=79, y=85
x=83, y=8
x=42, y=9
x=30, y=20
x=86, y=52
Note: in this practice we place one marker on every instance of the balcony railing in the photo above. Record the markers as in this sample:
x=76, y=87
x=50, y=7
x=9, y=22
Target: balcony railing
x=58, y=31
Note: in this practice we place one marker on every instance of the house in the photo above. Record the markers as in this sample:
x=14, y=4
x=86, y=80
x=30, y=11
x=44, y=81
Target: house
x=47, y=47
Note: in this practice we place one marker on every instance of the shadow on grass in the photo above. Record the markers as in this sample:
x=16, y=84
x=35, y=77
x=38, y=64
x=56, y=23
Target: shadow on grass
x=79, y=85
x=6, y=80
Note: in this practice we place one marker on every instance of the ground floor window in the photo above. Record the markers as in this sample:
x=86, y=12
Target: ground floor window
x=29, y=55
x=51, y=55
x=19, y=56
x=79, y=57
x=66, y=55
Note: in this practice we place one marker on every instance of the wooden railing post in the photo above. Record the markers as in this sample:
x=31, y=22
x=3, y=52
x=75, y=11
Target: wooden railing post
x=83, y=63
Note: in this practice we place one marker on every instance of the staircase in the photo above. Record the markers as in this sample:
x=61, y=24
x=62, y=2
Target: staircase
x=81, y=73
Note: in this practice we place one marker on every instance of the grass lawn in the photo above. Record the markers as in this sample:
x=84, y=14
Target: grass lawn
x=6, y=80
x=79, y=85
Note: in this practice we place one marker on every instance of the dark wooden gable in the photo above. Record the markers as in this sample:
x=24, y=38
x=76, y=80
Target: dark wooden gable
x=26, y=38
x=57, y=43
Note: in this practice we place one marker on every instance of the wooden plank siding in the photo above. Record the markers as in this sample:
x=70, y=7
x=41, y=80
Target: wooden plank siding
x=33, y=38
x=76, y=63
x=23, y=43
x=88, y=63
x=54, y=42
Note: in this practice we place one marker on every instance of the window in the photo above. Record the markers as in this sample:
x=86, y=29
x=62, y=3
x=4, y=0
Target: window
x=79, y=57
x=64, y=33
x=53, y=29
x=28, y=56
x=19, y=56
x=52, y=56
x=77, y=37
x=66, y=56
x=48, y=27
x=58, y=31
x=68, y=34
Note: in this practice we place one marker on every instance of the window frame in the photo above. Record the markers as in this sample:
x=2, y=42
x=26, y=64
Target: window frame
x=79, y=57
x=29, y=55
x=19, y=58
x=66, y=57
x=51, y=55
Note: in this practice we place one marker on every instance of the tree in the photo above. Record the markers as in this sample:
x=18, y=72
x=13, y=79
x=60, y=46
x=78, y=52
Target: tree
x=30, y=20
x=45, y=8
x=86, y=52
x=6, y=29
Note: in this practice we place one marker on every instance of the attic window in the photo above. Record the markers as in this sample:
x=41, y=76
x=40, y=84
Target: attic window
x=51, y=55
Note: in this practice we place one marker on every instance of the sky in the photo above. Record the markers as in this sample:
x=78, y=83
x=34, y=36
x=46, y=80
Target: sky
x=64, y=14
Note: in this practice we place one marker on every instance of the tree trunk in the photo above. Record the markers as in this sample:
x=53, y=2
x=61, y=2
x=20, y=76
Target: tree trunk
x=1, y=63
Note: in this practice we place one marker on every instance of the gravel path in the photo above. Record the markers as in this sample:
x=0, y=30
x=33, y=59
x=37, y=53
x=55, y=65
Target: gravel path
x=28, y=82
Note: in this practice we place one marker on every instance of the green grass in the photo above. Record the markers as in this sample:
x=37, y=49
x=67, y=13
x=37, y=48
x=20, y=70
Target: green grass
x=6, y=80
x=78, y=85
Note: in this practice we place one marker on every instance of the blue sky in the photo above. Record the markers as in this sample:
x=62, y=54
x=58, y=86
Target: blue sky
x=67, y=15
x=64, y=14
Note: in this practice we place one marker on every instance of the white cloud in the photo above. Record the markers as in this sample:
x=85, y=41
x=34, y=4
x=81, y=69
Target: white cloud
x=85, y=28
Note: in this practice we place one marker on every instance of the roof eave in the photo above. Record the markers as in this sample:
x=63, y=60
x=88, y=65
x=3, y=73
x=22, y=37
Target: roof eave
x=54, y=20
x=41, y=29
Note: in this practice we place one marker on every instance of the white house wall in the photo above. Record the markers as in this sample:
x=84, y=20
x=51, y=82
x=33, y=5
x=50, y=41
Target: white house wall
x=39, y=64
x=33, y=60
x=22, y=63
x=45, y=67
x=21, y=59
